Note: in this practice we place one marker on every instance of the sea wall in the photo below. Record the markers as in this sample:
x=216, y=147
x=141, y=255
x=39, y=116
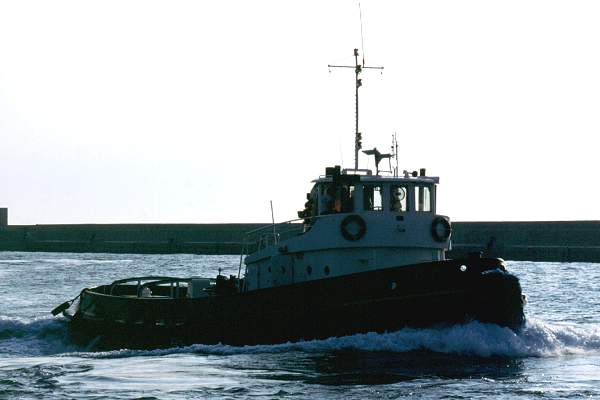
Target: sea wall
x=3, y=217
x=127, y=238
x=529, y=241
x=534, y=241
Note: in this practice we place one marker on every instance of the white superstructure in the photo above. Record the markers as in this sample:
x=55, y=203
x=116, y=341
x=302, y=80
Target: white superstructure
x=353, y=223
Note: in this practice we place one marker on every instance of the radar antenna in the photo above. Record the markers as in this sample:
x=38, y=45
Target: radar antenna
x=357, y=70
x=378, y=157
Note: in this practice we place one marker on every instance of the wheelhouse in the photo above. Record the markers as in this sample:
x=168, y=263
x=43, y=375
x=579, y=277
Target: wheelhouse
x=350, y=192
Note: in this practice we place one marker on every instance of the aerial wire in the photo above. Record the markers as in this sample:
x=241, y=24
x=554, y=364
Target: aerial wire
x=362, y=41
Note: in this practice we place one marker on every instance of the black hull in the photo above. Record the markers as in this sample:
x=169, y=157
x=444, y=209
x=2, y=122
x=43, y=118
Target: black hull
x=384, y=300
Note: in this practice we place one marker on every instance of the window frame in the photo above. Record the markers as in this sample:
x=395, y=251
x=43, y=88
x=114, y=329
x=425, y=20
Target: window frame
x=382, y=196
x=415, y=197
x=407, y=202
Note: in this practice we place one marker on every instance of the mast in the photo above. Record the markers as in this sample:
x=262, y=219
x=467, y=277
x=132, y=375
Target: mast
x=358, y=83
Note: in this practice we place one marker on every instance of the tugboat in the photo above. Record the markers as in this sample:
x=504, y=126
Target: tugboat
x=366, y=254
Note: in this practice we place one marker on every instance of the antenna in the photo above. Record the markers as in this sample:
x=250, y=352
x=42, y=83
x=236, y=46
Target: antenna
x=357, y=70
x=362, y=40
x=395, y=151
x=273, y=221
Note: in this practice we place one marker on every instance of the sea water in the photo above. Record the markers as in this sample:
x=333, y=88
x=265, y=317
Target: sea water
x=557, y=355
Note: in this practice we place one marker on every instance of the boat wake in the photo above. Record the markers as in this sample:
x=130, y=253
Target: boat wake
x=49, y=336
x=35, y=337
x=538, y=339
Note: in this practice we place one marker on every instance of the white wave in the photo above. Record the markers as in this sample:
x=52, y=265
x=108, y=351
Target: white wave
x=538, y=339
x=38, y=336
x=20, y=326
x=544, y=339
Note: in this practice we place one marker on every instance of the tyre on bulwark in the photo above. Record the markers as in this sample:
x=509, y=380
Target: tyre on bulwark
x=441, y=229
x=353, y=227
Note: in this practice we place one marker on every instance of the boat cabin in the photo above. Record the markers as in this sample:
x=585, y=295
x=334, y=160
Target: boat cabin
x=352, y=221
x=346, y=192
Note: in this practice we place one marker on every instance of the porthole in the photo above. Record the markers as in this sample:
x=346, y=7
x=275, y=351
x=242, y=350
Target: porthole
x=463, y=268
x=326, y=270
x=309, y=270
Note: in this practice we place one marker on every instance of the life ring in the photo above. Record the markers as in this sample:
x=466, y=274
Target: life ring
x=441, y=229
x=357, y=226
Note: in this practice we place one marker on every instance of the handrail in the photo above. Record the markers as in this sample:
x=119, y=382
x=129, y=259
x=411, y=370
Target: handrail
x=263, y=237
x=143, y=278
x=261, y=232
x=160, y=282
x=270, y=226
x=163, y=281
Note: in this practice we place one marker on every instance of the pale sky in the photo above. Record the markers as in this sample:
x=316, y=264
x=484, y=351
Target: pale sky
x=202, y=112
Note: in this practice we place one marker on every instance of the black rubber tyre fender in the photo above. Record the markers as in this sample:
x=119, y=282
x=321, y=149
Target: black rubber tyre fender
x=441, y=229
x=353, y=219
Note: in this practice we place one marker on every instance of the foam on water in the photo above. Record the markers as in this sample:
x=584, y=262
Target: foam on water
x=33, y=337
x=48, y=335
x=538, y=339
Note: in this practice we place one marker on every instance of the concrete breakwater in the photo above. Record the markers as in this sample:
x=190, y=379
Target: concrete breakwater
x=529, y=241
x=533, y=241
x=127, y=238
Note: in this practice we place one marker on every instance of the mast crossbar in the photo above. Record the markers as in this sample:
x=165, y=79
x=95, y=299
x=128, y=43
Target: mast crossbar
x=358, y=83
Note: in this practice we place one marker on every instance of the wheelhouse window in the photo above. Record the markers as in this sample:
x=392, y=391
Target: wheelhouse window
x=326, y=199
x=423, y=198
x=336, y=198
x=372, y=198
x=347, y=196
x=398, y=197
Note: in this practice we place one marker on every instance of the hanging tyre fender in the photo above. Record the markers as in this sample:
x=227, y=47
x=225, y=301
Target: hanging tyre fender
x=353, y=227
x=441, y=229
